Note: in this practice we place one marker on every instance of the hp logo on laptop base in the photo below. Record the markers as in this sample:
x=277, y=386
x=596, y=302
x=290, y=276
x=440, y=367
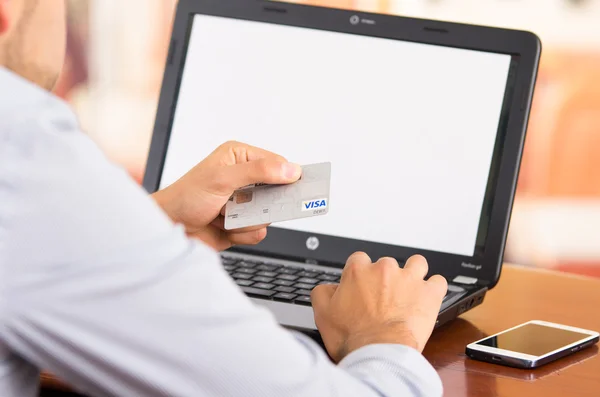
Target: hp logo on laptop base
x=312, y=243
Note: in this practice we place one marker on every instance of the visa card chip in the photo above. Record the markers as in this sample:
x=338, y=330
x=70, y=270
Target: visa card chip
x=263, y=204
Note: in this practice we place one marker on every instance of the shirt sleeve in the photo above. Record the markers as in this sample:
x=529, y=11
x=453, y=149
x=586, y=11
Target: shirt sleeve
x=104, y=291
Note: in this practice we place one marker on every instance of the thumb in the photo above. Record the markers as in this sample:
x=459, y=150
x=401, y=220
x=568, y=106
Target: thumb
x=321, y=296
x=272, y=171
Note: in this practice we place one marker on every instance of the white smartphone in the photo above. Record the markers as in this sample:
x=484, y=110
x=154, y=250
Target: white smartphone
x=531, y=344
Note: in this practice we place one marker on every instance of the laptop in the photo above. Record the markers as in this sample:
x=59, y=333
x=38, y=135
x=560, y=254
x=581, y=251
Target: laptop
x=423, y=123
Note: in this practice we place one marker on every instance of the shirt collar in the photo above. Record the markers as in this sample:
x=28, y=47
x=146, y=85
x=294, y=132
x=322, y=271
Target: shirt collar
x=16, y=91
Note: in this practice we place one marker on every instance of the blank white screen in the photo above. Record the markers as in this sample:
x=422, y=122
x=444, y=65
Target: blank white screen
x=409, y=128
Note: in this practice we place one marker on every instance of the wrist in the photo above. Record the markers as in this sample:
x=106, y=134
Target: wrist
x=359, y=340
x=166, y=202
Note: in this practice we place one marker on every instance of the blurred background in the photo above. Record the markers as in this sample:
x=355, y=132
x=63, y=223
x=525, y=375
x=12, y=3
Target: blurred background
x=115, y=61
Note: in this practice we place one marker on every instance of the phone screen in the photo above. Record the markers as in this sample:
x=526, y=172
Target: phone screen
x=533, y=339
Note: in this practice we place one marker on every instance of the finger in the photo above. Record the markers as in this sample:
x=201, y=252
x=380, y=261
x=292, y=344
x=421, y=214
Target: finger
x=321, y=296
x=242, y=153
x=386, y=269
x=248, y=238
x=358, y=257
x=267, y=170
x=417, y=266
x=219, y=223
x=354, y=264
x=438, y=285
x=387, y=261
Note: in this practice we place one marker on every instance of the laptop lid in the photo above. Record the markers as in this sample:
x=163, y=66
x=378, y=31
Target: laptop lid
x=423, y=122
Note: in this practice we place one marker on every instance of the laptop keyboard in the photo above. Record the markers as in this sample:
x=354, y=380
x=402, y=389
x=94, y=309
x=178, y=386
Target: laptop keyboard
x=284, y=283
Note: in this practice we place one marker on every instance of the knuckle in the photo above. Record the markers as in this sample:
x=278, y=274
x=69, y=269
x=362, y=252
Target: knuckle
x=438, y=283
x=419, y=259
x=353, y=267
x=264, y=169
x=224, y=147
x=357, y=260
x=259, y=235
x=220, y=182
x=388, y=262
x=318, y=298
x=419, y=262
x=248, y=238
x=314, y=294
x=359, y=257
x=387, y=267
x=437, y=279
x=386, y=259
x=230, y=144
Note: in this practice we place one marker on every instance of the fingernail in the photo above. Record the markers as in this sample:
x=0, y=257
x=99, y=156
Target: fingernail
x=291, y=171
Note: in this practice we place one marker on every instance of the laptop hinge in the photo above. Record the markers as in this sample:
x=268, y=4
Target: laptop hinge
x=465, y=280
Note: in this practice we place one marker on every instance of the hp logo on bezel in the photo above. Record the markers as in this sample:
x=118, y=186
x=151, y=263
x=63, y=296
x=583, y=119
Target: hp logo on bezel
x=312, y=243
x=354, y=19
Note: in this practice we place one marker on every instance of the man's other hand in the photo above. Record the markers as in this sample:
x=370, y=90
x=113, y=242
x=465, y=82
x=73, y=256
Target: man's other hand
x=198, y=199
x=378, y=303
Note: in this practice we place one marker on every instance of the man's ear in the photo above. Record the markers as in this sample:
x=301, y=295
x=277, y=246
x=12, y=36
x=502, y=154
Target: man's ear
x=4, y=16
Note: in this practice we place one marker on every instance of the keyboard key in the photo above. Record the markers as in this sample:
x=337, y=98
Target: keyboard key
x=308, y=280
x=228, y=261
x=285, y=283
x=268, y=268
x=263, y=279
x=244, y=283
x=242, y=276
x=266, y=274
x=327, y=282
x=251, y=291
x=246, y=270
x=302, y=292
x=306, y=273
x=302, y=300
x=328, y=277
x=263, y=285
x=287, y=277
x=288, y=270
x=284, y=289
x=284, y=297
x=304, y=286
x=229, y=267
x=246, y=264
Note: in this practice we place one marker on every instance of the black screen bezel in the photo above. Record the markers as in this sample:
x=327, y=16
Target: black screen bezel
x=525, y=47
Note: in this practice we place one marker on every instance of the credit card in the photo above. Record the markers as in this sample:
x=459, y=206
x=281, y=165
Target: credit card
x=262, y=204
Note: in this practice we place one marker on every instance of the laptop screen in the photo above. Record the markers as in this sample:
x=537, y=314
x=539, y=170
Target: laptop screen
x=410, y=129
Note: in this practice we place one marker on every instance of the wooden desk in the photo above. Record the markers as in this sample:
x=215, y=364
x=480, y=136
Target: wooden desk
x=522, y=295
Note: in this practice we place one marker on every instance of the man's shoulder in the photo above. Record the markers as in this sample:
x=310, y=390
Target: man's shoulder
x=22, y=100
x=26, y=111
x=16, y=90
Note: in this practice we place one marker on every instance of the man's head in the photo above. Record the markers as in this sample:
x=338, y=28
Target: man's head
x=33, y=39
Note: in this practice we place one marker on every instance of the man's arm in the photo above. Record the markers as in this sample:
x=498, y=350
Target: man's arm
x=158, y=315
x=178, y=326
x=102, y=289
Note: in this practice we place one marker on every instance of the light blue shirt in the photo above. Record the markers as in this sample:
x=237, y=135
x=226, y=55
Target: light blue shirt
x=99, y=287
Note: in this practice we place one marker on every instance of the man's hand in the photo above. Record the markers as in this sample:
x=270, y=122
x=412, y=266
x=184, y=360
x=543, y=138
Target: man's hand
x=378, y=303
x=198, y=199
